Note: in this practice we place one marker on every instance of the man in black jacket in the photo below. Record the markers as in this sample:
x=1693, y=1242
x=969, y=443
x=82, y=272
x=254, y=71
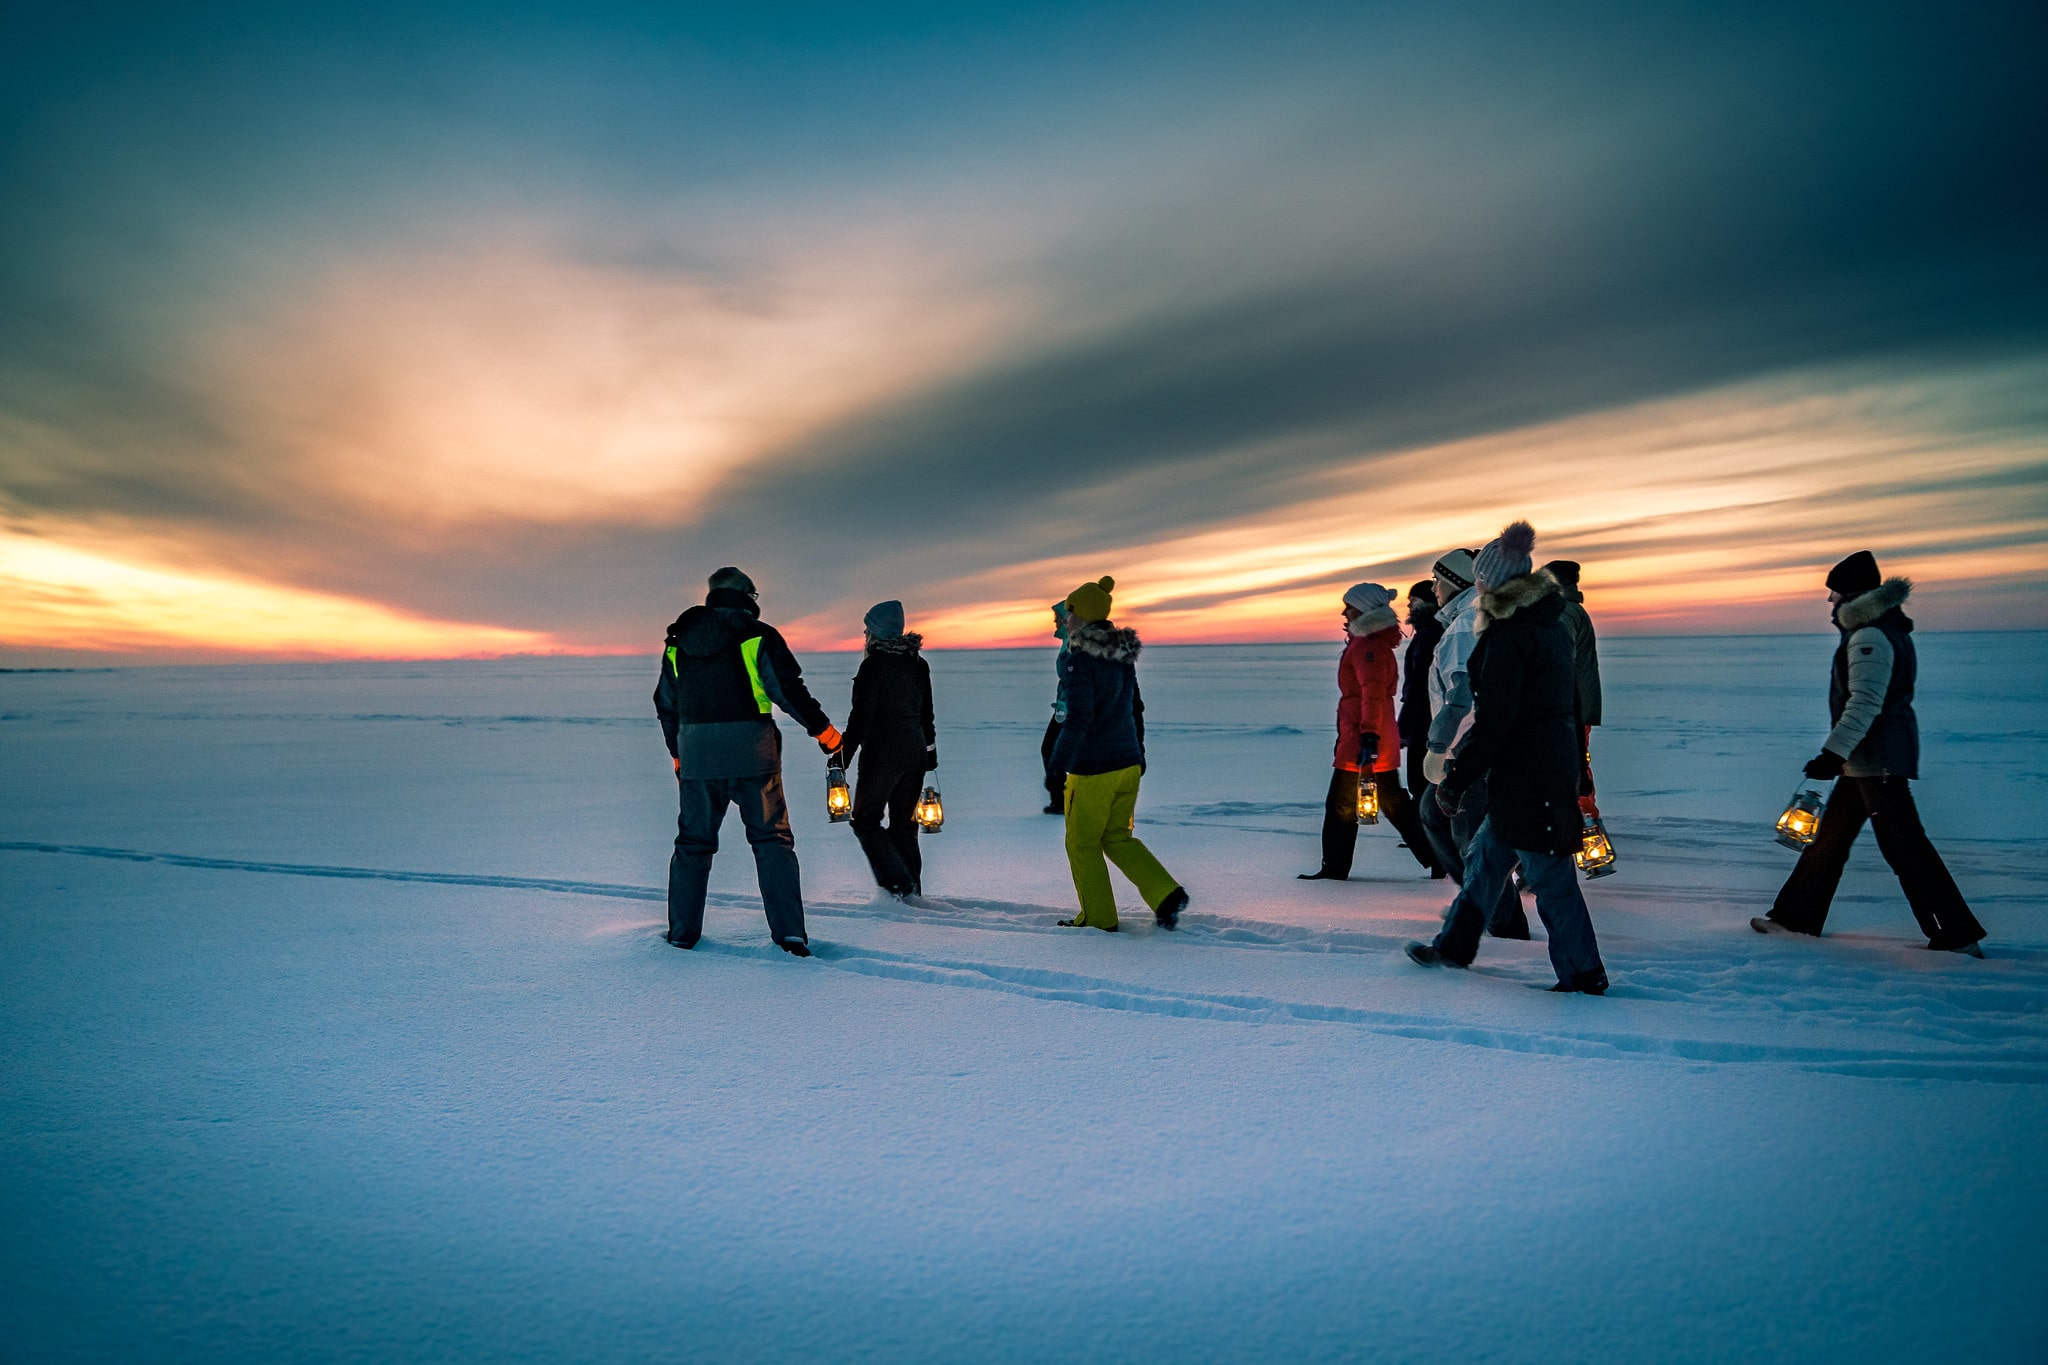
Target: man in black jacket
x=1874, y=753
x=1412, y=719
x=891, y=727
x=721, y=673
x=1523, y=740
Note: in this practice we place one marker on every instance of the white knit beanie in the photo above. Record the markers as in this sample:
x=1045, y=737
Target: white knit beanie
x=1366, y=596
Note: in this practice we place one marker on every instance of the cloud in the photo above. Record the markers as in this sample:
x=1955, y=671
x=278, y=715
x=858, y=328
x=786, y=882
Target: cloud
x=527, y=329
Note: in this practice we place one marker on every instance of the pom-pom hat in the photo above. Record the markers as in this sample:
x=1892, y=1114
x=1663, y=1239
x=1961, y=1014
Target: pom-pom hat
x=1090, y=601
x=1365, y=596
x=1507, y=556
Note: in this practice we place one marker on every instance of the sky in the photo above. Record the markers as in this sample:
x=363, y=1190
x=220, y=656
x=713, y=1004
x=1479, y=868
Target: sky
x=448, y=330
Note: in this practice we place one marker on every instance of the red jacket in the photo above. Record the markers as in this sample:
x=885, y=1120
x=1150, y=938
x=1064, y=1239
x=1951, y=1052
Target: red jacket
x=1365, y=698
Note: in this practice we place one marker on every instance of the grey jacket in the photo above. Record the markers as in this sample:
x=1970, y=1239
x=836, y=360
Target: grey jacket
x=1585, y=657
x=1450, y=684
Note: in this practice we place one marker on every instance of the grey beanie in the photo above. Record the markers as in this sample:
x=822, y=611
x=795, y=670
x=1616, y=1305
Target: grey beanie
x=884, y=620
x=1508, y=557
x=1366, y=596
x=732, y=579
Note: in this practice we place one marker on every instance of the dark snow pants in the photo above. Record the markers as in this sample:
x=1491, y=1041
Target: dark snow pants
x=1887, y=803
x=765, y=814
x=1489, y=864
x=1340, y=821
x=1451, y=835
x=892, y=853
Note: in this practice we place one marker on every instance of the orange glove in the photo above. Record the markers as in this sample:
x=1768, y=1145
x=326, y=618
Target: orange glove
x=676, y=760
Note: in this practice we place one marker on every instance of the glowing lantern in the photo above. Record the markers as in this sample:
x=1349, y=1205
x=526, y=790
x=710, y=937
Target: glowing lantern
x=1801, y=820
x=1368, y=800
x=931, y=814
x=838, y=798
x=1596, y=852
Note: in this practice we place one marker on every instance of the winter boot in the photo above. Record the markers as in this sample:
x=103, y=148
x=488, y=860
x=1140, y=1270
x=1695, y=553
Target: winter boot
x=1168, y=913
x=1585, y=983
x=1321, y=874
x=1765, y=925
x=1427, y=955
x=795, y=947
x=1078, y=923
x=675, y=943
x=1966, y=949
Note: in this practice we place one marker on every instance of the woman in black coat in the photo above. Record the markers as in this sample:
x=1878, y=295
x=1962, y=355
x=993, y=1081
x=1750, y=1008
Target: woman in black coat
x=891, y=727
x=1524, y=740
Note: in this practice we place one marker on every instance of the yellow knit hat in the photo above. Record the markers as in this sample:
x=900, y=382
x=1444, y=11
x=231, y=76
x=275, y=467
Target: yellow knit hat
x=1090, y=601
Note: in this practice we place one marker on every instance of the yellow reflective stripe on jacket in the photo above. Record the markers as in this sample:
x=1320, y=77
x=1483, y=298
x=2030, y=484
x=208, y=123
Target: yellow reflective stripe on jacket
x=673, y=671
x=750, y=650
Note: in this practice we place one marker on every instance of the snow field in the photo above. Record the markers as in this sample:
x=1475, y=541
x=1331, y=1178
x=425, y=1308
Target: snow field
x=339, y=1028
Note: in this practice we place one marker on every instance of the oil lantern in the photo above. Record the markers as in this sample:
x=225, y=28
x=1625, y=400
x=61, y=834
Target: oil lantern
x=1368, y=799
x=1801, y=820
x=1596, y=851
x=838, y=798
x=931, y=813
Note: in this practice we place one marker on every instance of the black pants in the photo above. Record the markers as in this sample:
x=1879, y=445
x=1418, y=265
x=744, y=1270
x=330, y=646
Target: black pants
x=1055, y=783
x=1452, y=835
x=1413, y=755
x=765, y=814
x=1887, y=803
x=1340, y=821
x=890, y=789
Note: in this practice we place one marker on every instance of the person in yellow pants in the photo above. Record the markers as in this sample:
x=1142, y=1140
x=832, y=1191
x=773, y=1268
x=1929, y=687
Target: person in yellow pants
x=1101, y=810
x=1101, y=753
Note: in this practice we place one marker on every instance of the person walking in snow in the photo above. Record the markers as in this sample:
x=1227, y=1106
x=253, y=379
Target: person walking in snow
x=1872, y=755
x=1101, y=749
x=1056, y=781
x=1585, y=669
x=1366, y=737
x=890, y=728
x=1413, y=718
x=1523, y=742
x=721, y=673
x=1450, y=705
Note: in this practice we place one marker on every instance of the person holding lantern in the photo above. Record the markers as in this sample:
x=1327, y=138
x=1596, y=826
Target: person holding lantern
x=723, y=671
x=1872, y=755
x=1585, y=670
x=1367, y=741
x=1450, y=705
x=890, y=727
x=1524, y=743
x=1101, y=749
x=1412, y=720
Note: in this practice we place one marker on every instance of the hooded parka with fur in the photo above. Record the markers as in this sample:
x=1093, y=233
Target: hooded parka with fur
x=1366, y=676
x=1523, y=738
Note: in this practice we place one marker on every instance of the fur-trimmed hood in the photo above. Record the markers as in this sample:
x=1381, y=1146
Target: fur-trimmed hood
x=909, y=642
x=1864, y=610
x=1520, y=592
x=1118, y=644
x=1371, y=622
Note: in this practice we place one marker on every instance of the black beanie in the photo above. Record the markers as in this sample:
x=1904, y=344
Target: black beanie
x=732, y=580
x=1565, y=571
x=1855, y=575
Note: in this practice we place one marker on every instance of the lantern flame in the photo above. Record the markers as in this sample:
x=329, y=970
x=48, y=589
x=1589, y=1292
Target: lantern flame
x=1801, y=820
x=1368, y=800
x=931, y=813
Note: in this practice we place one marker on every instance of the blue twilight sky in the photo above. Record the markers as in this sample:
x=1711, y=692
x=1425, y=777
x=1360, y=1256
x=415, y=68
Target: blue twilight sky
x=445, y=329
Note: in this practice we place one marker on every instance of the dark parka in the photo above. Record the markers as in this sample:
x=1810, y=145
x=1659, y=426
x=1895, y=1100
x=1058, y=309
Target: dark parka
x=1869, y=704
x=892, y=707
x=1105, y=726
x=722, y=671
x=1523, y=737
x=1585, y=656
x=1413, y=718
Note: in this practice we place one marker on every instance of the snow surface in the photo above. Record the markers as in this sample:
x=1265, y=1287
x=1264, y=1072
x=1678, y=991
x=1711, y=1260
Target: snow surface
x=337, y=1026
